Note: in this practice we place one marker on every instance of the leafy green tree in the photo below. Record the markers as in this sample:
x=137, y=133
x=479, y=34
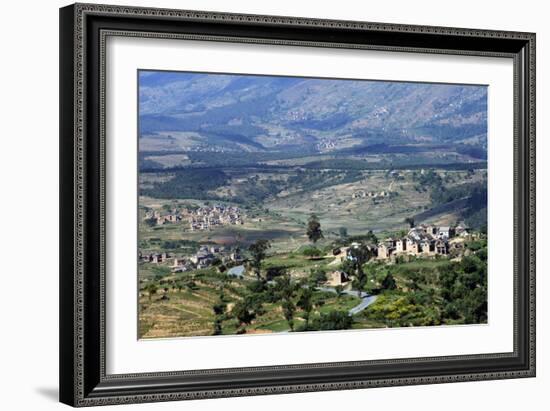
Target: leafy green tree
x=311, y=252
x=314, y=232
x=359, y=283
x=343, y=231
x=284, y=286
x=152, y=290
x=219, y=312
x=388, y=283
x=273, y=272
x=357, y=257
x=333, y=320
x=305, y=302
x=339, y=291
x=410, y=221
x=288, y=311
x=256, y=287
x=191, y=285
x=464, y=290
x=285, y=290
x=246, y=310
x=258, y=251
x=371, y=237
x=219, y=308
x=317, y=277
x=217, y=326
x=150, y=222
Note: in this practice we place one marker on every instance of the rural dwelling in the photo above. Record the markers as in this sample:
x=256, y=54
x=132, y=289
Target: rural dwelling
x=431, y=230
x=236, y=257
x=386, y=249
x=181, y=265
x=456, y=247
x=178, y=262
x=427, y=247
x=158, y=258
x=460, y=229
x=441, y=247
x=413, y=247
x=401, y=245
x=337, y=277
x=446, y=232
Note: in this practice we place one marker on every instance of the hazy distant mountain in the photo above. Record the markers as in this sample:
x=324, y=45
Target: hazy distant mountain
x=265, y=113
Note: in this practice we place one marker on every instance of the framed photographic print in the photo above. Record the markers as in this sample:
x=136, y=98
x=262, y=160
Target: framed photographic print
x=261, y=204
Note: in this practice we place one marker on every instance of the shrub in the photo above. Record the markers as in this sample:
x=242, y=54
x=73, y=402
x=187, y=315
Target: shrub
x=333, y=320
x=311, y=252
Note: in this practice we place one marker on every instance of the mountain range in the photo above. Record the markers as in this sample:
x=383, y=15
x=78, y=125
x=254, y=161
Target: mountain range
x=253, y=113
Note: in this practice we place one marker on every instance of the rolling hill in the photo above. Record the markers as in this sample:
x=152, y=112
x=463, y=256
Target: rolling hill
x=273, y=114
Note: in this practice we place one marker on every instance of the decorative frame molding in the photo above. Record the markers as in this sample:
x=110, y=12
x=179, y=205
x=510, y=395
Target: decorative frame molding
x=83, y=32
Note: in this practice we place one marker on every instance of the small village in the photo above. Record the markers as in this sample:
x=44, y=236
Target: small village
x=422, y=241
x=425, y=240
x=199, y=218
x=370, y=194
x=205, y=257
x=204, y=218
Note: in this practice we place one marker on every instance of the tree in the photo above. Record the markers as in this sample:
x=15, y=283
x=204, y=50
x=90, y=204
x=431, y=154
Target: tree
x=219, y=312
x=339, y=290
x=247, y=310
x=305, y=303
x=314, y=232
x=284, y=286
x=343, y=231
x=311, y=252
x=288, y=311
x=219, y=309
x=388, y=283
x=273, y=272
x=317, y=276
x=152, y=290
x=258, y=251
x=151, y=222
x=217, y=326
x=256, y=287
x=285, y=290
x=191, y=285
x=371, y=237
x=464, y=290
x=410, y=221
x=334, y=320
x=359, y=283
x=357, y=257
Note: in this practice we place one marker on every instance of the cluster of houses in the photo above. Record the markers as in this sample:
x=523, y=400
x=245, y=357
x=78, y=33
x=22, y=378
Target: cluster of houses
x=159, y=218
x=155, y=258
x=203, y=258
x=370, y=194
x=204, y=218
x=422, y=240
x=201, y=218
x=325, y=145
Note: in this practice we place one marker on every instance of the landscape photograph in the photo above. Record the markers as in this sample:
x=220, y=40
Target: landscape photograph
x=275, y=204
